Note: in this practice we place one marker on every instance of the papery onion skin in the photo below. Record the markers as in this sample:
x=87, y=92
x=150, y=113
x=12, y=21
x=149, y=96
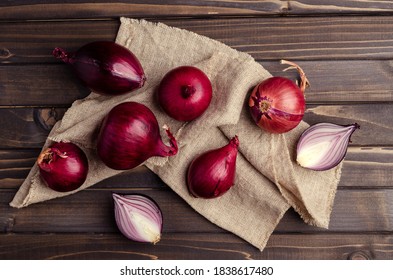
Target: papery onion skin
x=105, y=67
x=277, y=104
x=63, y=166
x=212, y=174
x=129, y=135
x=138, y=217
x=324, y=145
x=185, y=93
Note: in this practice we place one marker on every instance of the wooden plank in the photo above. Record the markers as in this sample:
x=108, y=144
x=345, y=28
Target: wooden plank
x=330, y=246
x=363, y=167
x=15, y=165
x=104, y=9
x=374, y=119
x=331, y=82
x=305, y=7
x=196, y=247
x=44, y=9
x=40, y=85
x=92, y=211
x=29, y=127
x=33, y=42
x=336, y=81
x=368, y=166
x=295, y=38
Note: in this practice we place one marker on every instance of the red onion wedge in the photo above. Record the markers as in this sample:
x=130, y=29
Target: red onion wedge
x=130, y=135
x=324, y=145
x=105, y=67
x=212, y=174
x=277, y=104
x=63, y=166
x=138, y=217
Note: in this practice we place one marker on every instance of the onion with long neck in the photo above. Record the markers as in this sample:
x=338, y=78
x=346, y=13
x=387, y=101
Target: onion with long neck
x=105, y=67
x=212, y=174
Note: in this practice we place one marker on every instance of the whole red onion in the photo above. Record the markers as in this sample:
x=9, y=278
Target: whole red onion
x=105, y=67
x=277, y=104
x=213, y=173
x=185, y=93
x=63, y=166
x=130, y=135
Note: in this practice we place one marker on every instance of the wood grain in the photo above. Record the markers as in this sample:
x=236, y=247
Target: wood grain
x=368, y=166
x=44, y=9
x=26, y=126
x=346, y=49
x=363, y=167
x=15, y=165
x=295, y=38
x=29, y=127
x=105, y=9
x=92, y=211
x=41, y=84
x=374, y=119
x=331, y=82
x=220, y=246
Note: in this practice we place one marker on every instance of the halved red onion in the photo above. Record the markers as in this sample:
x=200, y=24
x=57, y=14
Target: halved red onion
x=138, y=217
x=324, y=145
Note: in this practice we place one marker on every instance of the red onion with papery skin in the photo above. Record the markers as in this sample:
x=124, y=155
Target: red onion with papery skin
x=138, y=217
x=185, y=93
x=130, y=135
x=277, y=104
x=63, y=166
x=105, y=67
x=323, y=146
x=212, y=174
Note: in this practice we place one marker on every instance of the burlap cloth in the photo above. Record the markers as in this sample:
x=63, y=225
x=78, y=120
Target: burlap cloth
x=268, y=180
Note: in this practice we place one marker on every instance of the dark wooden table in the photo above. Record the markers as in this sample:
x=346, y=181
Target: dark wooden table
x=346, y=47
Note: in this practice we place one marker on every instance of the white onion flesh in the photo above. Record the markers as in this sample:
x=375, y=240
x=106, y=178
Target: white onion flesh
x=138, y=217
x=324, y=145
